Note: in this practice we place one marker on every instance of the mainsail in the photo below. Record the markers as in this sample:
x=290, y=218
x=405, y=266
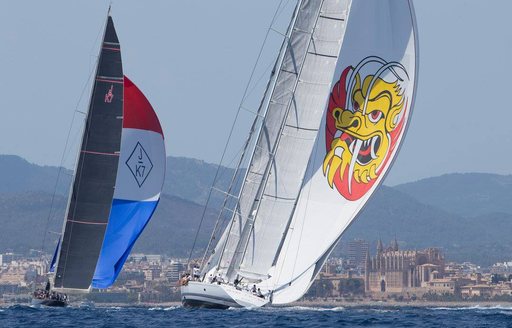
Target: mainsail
x=335, y=120
x=118, y=179
x=95, y=175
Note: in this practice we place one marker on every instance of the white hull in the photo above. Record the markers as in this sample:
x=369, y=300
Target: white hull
x=202, y=294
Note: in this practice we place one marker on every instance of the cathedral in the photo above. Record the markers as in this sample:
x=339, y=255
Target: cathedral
x=396, y=271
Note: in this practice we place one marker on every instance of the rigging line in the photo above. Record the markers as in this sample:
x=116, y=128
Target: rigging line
x=228, y=165
x=261, y=51
x=282, y=8
x=256, y=206
x=232, y=130
x=238, y=174
x=262, y=107
x=234, y=181
x=66, y=144
x=264, y=74
x=273, y=61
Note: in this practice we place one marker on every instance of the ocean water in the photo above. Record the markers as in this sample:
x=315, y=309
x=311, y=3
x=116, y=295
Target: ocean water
x=26, y=316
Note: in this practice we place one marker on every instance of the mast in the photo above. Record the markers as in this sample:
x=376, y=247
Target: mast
x=249, y=225
x=95, y=174
x=296, y=108
x=263, y=107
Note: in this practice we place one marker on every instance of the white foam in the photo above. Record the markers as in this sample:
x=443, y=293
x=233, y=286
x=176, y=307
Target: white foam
x=311, y=308
x=163, y=309
x=155, y=309
x=474, y=307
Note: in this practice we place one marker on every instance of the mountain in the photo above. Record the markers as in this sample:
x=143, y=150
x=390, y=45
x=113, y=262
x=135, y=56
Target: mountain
x=173, y=228
x=191, y=179
x=468, y=215
x=483, y=239
x=18, y=175
x=469, y=194
x=24, y=217
x=186, y=178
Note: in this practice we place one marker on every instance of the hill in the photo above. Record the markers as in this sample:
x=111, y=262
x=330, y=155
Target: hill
x=171, y=230
x=186, y=178
x=469, y=194
x=484, y=239
x=468, y=215
x=18, y=175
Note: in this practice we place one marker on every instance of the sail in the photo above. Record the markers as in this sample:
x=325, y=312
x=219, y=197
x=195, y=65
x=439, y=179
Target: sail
x=287, y=136
x=295, y=114
x=95, y=175
x=140, y=179
x=54, y=258
x=366, y=116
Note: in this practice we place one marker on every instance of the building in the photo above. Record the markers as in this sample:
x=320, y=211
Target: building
x=356, y=253
x=396, y=271
x=174, y=271
x=502, y=268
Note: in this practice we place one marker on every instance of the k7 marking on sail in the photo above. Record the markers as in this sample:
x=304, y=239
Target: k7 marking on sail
x=140, y=164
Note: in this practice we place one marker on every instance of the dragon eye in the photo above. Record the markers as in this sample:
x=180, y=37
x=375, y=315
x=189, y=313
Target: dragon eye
x=375, y=116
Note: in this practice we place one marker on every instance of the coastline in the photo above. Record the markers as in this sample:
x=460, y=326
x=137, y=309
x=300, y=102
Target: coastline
x=395, y=304
x=313, y=304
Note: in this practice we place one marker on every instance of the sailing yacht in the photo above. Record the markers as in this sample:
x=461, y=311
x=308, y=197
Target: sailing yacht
x=117, y=182
x=334, y=114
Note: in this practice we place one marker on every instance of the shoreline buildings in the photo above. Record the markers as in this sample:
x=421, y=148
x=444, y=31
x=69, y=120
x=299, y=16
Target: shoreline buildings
x=394, y=270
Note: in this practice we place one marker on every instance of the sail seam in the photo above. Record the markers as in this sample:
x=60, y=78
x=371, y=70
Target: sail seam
x=85, y=222
x=322, y=55
x=313, y=83
x=109, y=81
x=110, y=77
x=100, y=153
x=300, y=128
x=279, y=197
x=332, y=18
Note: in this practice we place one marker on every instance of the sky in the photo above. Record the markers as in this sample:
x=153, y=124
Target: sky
x=193, y=59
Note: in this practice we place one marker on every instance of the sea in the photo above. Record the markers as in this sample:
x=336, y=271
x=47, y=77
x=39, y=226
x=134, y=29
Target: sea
x=298, y=316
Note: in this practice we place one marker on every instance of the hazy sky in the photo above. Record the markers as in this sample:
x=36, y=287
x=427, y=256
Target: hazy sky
x=193, y=59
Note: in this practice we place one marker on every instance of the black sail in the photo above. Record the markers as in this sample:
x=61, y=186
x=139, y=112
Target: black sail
x=95, y=177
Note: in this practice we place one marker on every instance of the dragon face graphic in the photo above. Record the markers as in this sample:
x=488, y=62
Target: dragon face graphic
x=364, y=121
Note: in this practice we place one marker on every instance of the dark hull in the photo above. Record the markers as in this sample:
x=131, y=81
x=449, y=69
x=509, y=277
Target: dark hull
x=54, y=303
x=189, y=303
x=49, y=302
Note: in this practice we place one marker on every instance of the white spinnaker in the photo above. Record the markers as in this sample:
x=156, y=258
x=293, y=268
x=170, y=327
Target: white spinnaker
x=381, y=28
